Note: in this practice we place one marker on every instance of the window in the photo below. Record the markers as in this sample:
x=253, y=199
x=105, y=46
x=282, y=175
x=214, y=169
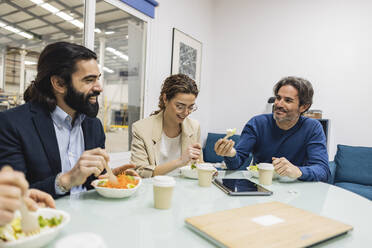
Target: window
x=120, y=48
x=27, y=26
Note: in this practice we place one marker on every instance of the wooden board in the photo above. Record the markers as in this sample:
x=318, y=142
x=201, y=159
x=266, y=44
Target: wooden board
x=235, y=227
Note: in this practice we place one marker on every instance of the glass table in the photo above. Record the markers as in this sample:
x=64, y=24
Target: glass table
x=134, y=222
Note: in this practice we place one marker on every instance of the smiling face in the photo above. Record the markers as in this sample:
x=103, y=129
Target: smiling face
x=287, y=107
x=84, y=89
x=179, y=107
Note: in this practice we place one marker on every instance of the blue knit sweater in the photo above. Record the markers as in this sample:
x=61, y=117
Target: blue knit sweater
x=304, y=145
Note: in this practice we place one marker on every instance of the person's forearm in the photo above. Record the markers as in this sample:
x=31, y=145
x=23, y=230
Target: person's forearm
x=167, y=167
x=314, y=173
x=232, y=163
x=65, y=181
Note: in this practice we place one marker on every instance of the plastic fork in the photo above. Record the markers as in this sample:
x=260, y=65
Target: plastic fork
x=29, y=220
x=111, y=177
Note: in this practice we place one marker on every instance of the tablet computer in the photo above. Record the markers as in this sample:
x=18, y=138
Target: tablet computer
x=240, y=187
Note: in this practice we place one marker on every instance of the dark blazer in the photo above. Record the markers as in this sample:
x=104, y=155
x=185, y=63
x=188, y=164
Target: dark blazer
x=28, y=143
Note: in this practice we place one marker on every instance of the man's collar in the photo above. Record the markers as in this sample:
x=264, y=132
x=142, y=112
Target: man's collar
x=60, y=117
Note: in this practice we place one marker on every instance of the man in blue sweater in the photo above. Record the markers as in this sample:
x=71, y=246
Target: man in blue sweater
x=294, y=144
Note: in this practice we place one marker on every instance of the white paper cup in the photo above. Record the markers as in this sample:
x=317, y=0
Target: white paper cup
x=265, y=173
x=163, y=191
x=205, y=174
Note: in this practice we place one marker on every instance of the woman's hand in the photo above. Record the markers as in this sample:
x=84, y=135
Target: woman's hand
x=193, y=152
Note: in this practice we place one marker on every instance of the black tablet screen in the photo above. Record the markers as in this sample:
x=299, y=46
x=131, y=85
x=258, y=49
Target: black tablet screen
x=240, y=185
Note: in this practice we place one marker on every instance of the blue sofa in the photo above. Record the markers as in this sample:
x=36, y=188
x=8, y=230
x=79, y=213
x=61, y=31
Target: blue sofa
x=352, y=169
x=209, y=155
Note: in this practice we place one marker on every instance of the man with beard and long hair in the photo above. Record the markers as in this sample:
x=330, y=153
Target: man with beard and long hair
x=294, y=144
x=55, y=138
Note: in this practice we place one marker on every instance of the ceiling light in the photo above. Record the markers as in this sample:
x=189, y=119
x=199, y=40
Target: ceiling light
x=16, y=31
x=12, y=29
x=26, y=35
x=117, y=53
x=109, y=32
x=49, y=7
x=30, y=63
x=107, y=70
x=64, y=16
x=97, y=30
x=37, y=1
x=77, y=23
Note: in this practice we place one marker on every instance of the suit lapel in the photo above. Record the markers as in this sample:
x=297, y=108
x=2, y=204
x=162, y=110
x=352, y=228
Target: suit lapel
x=157, y=130
x=45, y=129
x=88, y=139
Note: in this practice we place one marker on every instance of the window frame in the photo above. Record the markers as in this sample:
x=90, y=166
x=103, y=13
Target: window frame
x=88, y=37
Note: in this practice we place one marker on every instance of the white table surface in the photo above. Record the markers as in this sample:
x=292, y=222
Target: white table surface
x=134, y=222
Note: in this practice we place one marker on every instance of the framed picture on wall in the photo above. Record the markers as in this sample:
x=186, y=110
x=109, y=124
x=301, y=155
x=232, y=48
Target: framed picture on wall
x=186, y=55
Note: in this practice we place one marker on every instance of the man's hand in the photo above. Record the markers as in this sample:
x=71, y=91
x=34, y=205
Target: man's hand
x=91, y=162
x=225, y=148
x=285, y=168
x=193, y=152
x=13, y=186
x=127, y=169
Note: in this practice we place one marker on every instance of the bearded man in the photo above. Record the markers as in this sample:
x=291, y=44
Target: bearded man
x=294, y=144
x=55, y=138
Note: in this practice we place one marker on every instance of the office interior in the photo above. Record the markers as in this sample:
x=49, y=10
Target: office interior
x=247, y=46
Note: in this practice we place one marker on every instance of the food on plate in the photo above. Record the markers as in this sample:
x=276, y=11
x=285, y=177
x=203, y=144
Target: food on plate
x=253, y=168
x=13, y=230
x=124, y=182
x=230, y=132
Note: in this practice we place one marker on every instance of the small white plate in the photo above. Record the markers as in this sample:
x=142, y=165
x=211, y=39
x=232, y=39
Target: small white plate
x=254, y=173
x=45, y=235
x=186, y=171
x=114, y=193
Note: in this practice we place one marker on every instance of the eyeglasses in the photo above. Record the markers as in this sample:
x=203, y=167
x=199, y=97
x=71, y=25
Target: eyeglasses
x=181, y=108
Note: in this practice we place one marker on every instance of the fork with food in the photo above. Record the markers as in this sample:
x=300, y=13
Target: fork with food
x=225, y=146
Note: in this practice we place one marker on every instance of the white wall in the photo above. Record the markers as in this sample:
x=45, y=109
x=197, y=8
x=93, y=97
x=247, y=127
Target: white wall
x=257, y=42
x=192, y=17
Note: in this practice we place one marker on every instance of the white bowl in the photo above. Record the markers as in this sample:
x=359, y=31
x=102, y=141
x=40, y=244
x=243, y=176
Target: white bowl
x=45, y=235
x=114, y=193
x=186, y=171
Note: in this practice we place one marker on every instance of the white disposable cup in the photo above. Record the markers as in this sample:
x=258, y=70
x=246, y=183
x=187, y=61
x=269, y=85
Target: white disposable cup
x=205, y=174
x=163, y=191
x=265, y=173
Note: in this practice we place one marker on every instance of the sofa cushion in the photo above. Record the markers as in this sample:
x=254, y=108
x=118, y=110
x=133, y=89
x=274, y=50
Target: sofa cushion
x=354, y=164
x=363, y=190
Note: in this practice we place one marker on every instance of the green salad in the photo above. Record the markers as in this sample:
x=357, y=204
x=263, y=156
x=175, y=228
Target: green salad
x=193, y=166
x=13, y=230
